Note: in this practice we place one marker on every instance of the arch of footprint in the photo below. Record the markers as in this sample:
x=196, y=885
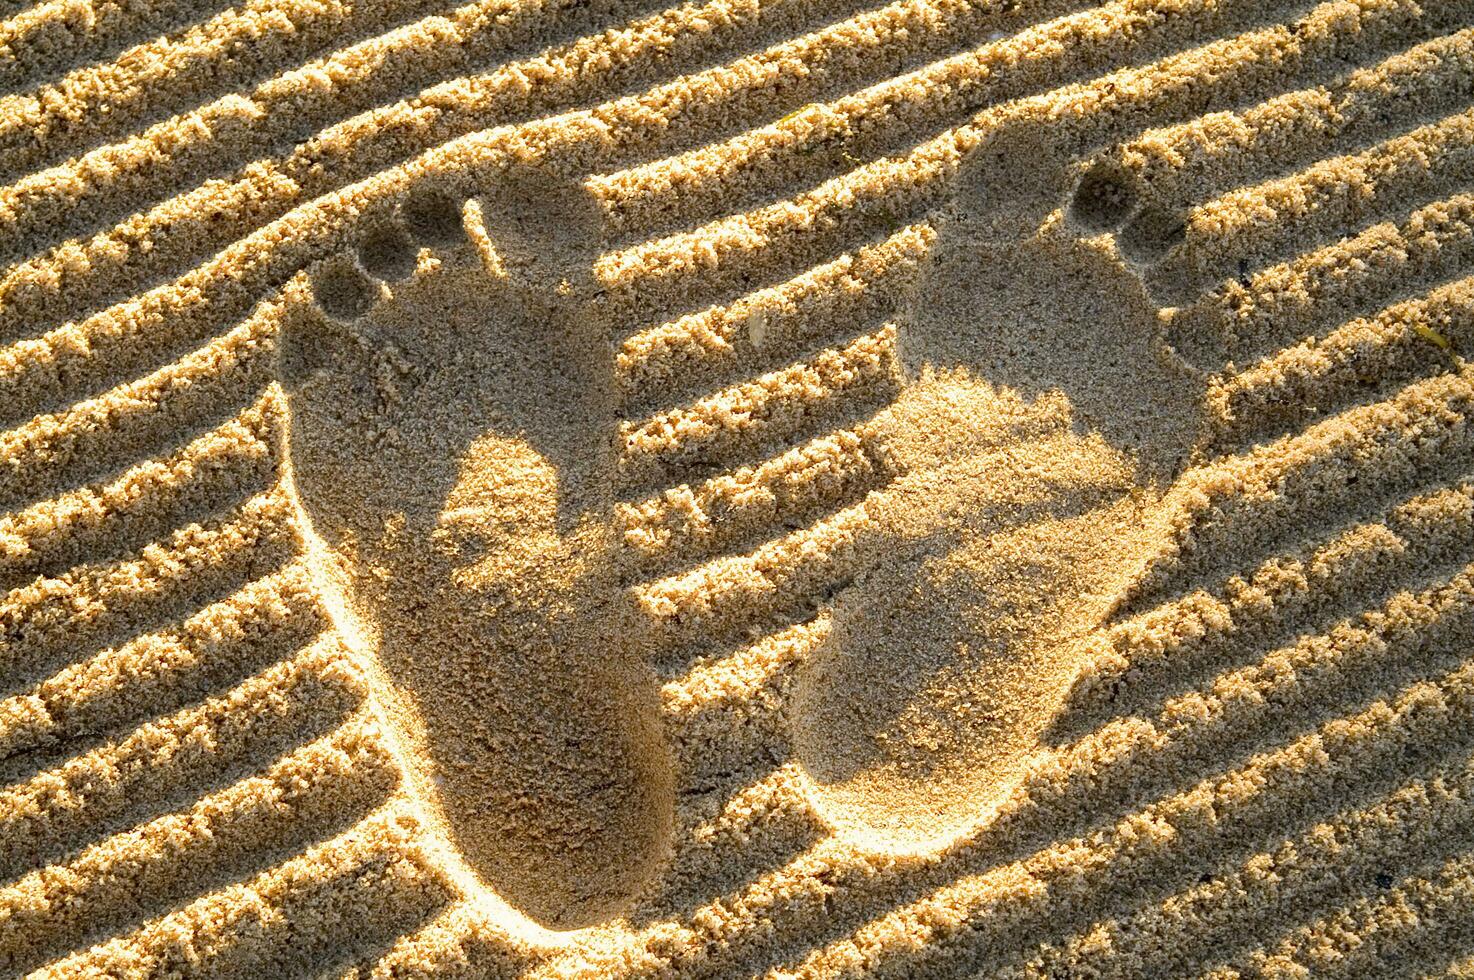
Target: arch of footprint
x=1291, y=659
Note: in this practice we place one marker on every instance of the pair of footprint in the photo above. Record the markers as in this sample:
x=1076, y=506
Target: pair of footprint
x=451, y=442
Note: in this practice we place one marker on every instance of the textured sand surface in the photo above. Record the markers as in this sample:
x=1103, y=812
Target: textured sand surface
x=747, y=488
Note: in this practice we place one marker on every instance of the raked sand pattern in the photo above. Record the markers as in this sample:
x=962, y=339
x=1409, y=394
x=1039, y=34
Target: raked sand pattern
x=746, y=488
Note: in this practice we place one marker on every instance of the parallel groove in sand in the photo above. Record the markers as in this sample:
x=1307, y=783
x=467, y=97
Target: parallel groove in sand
x=895, y=110
x=214, y=647
x=979, y=915
x=1290, y=592
x=767, y=351
x=1282, y=303
x=347, y=151
x=220, y=836
x=43, y=283
x=47, y=39
x=47, y=280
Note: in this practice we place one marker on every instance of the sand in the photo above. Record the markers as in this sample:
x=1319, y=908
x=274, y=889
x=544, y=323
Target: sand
x=752, y=488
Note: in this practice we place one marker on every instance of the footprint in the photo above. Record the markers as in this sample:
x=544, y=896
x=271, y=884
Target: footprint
x=452, y=416
x=1043, y=417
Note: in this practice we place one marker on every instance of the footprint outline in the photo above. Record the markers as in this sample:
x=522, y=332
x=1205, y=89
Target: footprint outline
x=379, y=333
x=1025, y=202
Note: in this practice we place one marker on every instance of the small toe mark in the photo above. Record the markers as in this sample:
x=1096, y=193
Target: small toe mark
x=387, y=252
x=342, y=290
x=1150, y=235
x=1103, y=198
x=433, y=217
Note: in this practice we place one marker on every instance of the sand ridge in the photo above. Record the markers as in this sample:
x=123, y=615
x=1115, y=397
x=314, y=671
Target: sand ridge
x=1010, y=460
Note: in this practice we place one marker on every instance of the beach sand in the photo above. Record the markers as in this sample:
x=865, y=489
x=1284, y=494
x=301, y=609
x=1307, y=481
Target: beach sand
x=751, y=488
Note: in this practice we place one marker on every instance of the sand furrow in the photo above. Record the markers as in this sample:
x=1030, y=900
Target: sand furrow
x=361, y=889
x=1333, y=473
x=747, y=680
x=1256, y=59
x=263, y=622
x=742, y=803
x=1273, y=220
x=886, y=193
x=279, y=113
x=727, y=342
x=802, y=67
x=968, y=923
x=823, y=138
x=962, y=919
x=1288, y=302
x=780, y=406
x=1136, y=662
x=1172, y=169
x=65, y=367
x=211, y=216
x=163, y=75
x=1391, y=926
x=146, y=771
x=739, y=836
x=1409, y=639
x=1421, y=425
x=47, y=39
x=792, y=572
x=455, y=939
x=294, y=133
x=97, y=436
x=261, y=184
x=80, y=279
x=226, y=464
x=688, y=522
x=51, y=619
x=725, y=712
x=740, y=818
x=1335, y=859
x=1366, y=357
x=645, y=121
x=312, y=793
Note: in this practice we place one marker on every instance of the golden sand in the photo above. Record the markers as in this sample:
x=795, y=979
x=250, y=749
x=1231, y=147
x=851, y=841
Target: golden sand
x=751, y=488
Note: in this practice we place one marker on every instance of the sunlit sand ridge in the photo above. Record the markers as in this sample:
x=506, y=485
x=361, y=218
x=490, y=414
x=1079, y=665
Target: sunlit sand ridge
x=745, y=488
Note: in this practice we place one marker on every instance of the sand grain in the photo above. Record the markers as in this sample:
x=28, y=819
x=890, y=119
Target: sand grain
x=737, y=488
